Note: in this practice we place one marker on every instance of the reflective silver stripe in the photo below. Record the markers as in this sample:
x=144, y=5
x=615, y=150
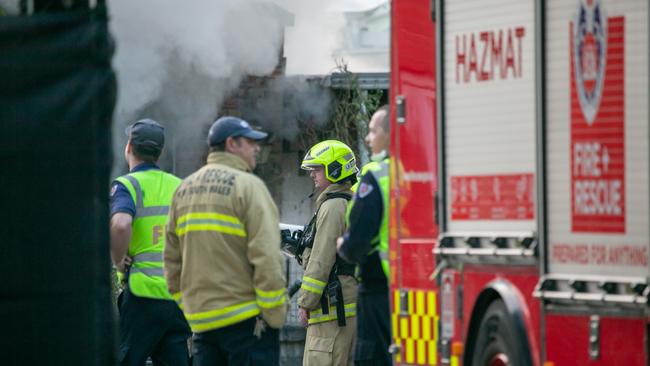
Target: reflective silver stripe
x=383, y=255
x=148, y=257
x=210, y=221
x=274, y=299
x=151, y=211
x=227, y=315
x=138, y=191
x=378, y=174
x=140, y=210
x=381, y=173
x=151, y=272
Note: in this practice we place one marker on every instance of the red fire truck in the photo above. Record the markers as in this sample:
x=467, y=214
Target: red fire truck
x=520, y=211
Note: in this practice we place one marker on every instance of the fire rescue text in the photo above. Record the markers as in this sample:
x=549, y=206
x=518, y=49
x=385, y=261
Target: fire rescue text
x=594, y=195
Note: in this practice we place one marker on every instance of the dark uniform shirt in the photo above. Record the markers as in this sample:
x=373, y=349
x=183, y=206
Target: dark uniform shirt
x=121, y=200
x=365, y=222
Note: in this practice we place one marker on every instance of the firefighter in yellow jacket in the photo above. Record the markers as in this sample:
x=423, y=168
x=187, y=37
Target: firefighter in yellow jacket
x=222, y=259
x=327, y=300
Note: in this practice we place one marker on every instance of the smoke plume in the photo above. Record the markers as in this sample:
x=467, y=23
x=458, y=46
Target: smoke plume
x=176, y=61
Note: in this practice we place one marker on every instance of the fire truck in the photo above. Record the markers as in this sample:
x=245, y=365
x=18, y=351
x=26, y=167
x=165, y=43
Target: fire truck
x=519, y=217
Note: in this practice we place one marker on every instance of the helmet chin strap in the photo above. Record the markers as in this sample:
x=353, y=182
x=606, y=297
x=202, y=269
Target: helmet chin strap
x=313, y=192
x=379, y=156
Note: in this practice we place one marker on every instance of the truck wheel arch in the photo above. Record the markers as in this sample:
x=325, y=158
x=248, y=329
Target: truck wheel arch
x=501, y=291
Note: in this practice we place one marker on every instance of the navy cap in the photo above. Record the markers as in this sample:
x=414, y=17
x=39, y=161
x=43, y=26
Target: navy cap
x=229, y=126
x=147, y=133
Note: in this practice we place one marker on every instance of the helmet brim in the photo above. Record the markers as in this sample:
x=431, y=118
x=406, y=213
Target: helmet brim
x=310, y=166
x=255, y=135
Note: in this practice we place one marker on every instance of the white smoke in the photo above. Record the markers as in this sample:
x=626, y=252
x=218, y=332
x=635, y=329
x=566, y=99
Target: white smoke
x=322, y=33
x=303, y=101
x=177, y=61
x=311, y=42
x=216, y=38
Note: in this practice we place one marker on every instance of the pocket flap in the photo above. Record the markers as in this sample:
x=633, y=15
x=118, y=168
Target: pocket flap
x=320, y=344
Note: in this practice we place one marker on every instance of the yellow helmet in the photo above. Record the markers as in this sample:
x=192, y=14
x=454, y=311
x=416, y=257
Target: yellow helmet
x=337, y=158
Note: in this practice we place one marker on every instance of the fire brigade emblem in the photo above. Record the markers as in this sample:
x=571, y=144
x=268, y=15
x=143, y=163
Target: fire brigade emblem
x=364, y=190
x=589, y=55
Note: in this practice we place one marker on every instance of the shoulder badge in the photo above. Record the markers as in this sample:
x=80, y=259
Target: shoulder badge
x=364, y=190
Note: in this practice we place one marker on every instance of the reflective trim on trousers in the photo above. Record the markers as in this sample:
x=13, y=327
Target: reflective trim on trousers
x=317, y=316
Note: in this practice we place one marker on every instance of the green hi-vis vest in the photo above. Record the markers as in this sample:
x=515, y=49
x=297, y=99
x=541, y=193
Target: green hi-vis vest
x=380, y=171
x=152, y=192
x=364, y=170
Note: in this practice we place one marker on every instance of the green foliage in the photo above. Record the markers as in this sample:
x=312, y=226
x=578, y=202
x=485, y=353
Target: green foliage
x=351, y=110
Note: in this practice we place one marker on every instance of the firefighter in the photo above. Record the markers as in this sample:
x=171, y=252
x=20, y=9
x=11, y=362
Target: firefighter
x=377, y=139
x=327, y=299
x=366, y=243
x=151, y=323
x=222, y=260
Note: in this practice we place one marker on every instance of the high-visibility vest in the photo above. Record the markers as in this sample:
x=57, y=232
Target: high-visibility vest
x=152, y=192
x=364, y=170
x=380, y=171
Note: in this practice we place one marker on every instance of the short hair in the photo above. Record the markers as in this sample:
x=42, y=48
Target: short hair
x=221, y=146
x=352, y=179
x=146, y=153
x=218, y=147
x=385, y=122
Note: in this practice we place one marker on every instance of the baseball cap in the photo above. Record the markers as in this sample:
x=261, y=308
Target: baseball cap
x=147, y=133
x=229, y=126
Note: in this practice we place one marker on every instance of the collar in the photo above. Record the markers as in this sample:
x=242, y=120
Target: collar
x=380, y=156
x=144, y=166
x=333, y=188
x=228, y=159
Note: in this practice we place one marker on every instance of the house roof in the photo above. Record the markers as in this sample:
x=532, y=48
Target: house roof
x=365, y=80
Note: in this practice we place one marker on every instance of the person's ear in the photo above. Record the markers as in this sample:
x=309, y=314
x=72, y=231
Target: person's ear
x=231, y=144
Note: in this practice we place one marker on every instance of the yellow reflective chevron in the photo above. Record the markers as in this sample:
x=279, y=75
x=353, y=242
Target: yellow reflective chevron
x=313, y=285
x=270, y=299
x=317, y=316
x=417, y=331
x=219, y=318
x=209, y=221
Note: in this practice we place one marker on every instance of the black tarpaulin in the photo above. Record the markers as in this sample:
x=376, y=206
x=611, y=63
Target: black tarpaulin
x=57, y=94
